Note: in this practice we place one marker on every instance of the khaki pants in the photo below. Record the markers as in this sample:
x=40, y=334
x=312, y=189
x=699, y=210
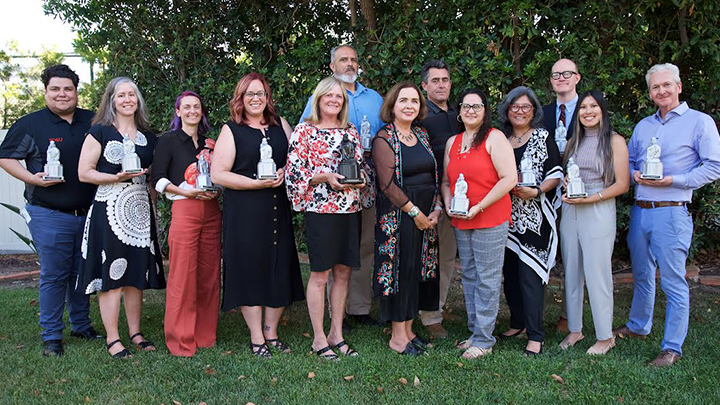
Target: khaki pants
x=448, y=253
x=360, y=291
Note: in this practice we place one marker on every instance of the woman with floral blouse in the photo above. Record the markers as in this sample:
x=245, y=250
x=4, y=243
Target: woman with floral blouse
x=331, y=209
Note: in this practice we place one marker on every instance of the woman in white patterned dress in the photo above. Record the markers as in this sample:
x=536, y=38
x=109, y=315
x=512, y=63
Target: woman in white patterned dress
x=121, y=256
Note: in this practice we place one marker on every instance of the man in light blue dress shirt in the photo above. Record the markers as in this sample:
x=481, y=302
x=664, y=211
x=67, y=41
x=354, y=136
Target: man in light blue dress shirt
x=660, y=226
x=364, y=102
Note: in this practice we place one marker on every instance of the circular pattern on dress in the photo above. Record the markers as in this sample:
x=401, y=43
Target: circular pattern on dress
x=129, y=216
x=103, y=255
x=86, y=231
x=152, y=249
x=117, y=268
x=139, y=180
x=114, y=152
x=140, y=139
x=95, y=285
x=107, y=191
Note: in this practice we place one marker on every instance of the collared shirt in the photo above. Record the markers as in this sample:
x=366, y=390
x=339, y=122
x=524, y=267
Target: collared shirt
x=174, y=153
x=364, y=102
x=690, y=152
x=569, y=110
x=441, y=125
x=28, y=140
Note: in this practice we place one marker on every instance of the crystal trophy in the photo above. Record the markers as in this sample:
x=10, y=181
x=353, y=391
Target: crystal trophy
x=53, y=168
x=575, y=185
x=348, y=167
x=652, y=169
x=203, y=180
x=365, y=135
x=561, y=137
x=266, y=168
x=130, y=161
x=460, y=204
x=526, y=177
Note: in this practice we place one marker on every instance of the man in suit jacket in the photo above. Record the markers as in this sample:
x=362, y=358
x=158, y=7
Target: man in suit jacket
x=564, y=79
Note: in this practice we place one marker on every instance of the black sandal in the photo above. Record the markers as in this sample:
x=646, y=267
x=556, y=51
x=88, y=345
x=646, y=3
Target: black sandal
x=279, y=345
x=261, y=350
x=421, y=343
x=411, y=350
x=322, y=353
x=122, y=353
x=144, y=344
x=512, y=335
x=349, y=352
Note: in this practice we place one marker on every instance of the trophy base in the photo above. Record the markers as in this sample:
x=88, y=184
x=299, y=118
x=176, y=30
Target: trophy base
x=460, y=206
x=267, y=176
x=209, y=188
x=652, y=171
x=54, y=178
x=350, y=172
x=132, y=171
x=350, y=181
x=579, y=195
x=527, y=180
x=459, y=212
x=651, y=176
x=527, y=184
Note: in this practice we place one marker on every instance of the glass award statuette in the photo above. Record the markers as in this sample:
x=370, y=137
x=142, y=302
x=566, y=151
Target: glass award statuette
x=266, y=168
x=365, y=135
x=460, y=204
x=348, y=167
x=561, y=137
x=526, y=177
x=652, y=169
x=575, y=185
x=53, y=168
x=203, y=180
x=131, y=161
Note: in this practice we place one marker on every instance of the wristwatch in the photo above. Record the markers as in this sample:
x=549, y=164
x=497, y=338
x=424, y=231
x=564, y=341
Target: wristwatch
x=414, y=211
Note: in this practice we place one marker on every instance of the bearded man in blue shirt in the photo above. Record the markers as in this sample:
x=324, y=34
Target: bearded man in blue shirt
x=660, y=226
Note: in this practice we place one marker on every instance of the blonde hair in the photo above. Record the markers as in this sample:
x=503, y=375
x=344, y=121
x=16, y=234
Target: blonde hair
x=322, y=89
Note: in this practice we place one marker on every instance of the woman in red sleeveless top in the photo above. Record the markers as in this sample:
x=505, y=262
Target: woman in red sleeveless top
x=485, y=159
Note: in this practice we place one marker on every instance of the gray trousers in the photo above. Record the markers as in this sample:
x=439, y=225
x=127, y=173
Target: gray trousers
x=587, y=236
x=360, y=291
x=482, y=254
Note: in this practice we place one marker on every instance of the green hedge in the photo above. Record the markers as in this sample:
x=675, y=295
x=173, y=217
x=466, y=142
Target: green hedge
x=207, y=46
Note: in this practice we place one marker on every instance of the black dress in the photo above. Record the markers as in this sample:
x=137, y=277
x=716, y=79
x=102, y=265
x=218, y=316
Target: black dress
x=119, y=246
x=413, y=294
x=260, y=261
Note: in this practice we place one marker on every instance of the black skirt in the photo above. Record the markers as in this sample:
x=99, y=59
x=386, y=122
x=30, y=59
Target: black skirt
x=332, y=239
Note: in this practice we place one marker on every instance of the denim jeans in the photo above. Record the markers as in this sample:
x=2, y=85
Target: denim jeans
x=660, y=238
x=57, y=238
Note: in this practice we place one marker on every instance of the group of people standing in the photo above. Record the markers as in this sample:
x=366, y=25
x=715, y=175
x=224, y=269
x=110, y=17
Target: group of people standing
x=390, y=234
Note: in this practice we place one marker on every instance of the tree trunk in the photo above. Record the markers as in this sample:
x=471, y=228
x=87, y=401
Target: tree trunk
x=366, y=6
x=516, y=48
x=353, y=13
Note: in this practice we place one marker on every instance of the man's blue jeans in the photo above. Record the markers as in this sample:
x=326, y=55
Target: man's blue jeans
x=660, y=238
x=58, y=237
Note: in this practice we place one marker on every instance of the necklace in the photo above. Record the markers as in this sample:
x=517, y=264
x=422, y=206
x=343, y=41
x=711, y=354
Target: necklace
x=520, y=138
x=465, y=146
x=406, y=137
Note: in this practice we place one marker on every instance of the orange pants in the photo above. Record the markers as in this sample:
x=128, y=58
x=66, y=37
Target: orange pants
x=193, y=287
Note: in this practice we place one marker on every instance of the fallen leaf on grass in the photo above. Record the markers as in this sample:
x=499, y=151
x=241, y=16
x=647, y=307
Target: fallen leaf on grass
x=87, y=399
x=227, y=353
x=379, y=389
x=307, y=335
x=250, y=403
x=558, y=378
x=19, y=347
x=202, y=403
x=241, y=377
x=402, y=381
x=416, y=382
x=348, y=377
x=36, y=392
x=311, y=375
x=33, y=303
x=61, y=392
x=273, y=380
x=63, y=380
x=3, y=337
x=497, y=375
x=620, y=399
x=387, y=331
x=460, y=364
x=177, y=402
x=210, y=371
x=283, y=322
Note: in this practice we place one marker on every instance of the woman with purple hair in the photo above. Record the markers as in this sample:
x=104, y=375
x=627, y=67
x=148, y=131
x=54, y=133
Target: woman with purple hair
x=193, y=288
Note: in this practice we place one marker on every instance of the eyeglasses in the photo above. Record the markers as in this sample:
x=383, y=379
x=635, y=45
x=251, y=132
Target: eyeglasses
x=526, y=108
x=566, y=74
x=252, y=94
x=466, y=107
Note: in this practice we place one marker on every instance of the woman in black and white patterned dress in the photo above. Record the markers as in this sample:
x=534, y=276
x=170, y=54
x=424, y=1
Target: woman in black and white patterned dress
x=121, y=256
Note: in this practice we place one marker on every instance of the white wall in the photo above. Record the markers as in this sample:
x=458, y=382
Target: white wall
x=11, y=192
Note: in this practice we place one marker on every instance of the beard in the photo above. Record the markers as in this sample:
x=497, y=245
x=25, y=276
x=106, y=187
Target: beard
x=347, y=77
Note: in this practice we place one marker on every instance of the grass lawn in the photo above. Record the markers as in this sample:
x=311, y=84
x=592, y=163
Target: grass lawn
x=228, y=374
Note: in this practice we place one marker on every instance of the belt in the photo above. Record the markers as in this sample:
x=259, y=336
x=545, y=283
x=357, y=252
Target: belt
x=79, y=212
x=659, y=204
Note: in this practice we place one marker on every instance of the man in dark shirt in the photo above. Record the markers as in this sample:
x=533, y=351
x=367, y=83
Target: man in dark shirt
x=56, y=209
x=564, y=78
x=441, y=123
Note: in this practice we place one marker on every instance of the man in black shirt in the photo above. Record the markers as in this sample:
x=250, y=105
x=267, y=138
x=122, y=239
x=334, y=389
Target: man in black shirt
x=56, y=209
x=441, y=123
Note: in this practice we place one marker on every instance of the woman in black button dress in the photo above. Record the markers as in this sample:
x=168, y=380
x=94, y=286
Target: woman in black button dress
x=262, y=272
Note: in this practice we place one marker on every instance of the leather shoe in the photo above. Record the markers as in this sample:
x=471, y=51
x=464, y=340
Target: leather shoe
x=89, y=333
x=665, y=358
x=53, y=348
x=623, y=332
x=436, y=331
x=365, y=320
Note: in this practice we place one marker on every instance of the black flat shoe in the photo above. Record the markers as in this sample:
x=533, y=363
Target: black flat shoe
x=411, y=350
x=279, y=345
x=261, y=350
x=365, y=320
x=518, y=333
x=326, y=353
x=119, y=355
x=421, y=343
x=144, y=345
x=53, y=348
x=347, y=353
x=89, y=334
x=528, y=353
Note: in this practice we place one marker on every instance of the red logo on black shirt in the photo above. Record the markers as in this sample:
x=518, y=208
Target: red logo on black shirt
x=55, y=139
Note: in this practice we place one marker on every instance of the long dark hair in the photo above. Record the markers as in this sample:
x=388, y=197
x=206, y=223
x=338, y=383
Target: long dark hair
x=605, y=153
x=485, y=126
x=176, y=123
